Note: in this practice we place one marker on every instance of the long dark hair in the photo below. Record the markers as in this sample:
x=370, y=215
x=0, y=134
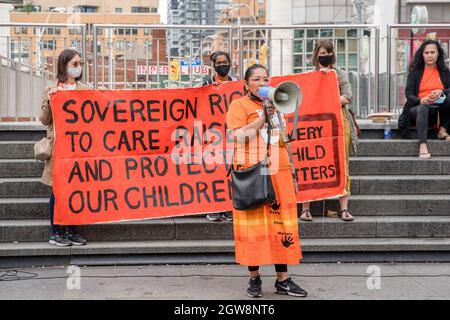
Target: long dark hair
x=327, y=45
x=419, y=63
x=63, y=60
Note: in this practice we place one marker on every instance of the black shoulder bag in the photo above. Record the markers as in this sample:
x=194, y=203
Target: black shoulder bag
x=252, y=187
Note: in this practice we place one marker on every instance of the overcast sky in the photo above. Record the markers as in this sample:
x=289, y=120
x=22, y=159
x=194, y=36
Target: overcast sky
x=163, y=10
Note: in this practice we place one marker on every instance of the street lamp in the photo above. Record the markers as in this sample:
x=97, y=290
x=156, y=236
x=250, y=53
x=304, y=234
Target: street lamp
x=39, y=36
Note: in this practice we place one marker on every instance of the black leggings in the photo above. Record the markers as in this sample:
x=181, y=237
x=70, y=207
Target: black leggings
x=421, y=115
x=278, y=268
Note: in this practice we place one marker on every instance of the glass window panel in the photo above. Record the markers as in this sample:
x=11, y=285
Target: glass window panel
x=312, y=33
x=299, y=33
x=339, y=33
x=352, y=33
x=341, y=45
x=341, y=60
x=309, y=60
x=298, y=60
x=353, y=59
x=309, y=45
x=326, y=33
x=298, y=46
x=352, y=45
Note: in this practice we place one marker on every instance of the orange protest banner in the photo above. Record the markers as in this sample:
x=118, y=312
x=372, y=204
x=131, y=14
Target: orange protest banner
x=319, y=146
x=139, y=154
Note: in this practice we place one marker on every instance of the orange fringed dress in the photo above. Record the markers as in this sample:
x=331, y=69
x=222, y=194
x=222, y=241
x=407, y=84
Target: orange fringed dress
x=267, y=235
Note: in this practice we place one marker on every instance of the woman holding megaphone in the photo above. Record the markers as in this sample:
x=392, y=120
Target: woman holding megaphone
x=324, y=59
x=268, y=232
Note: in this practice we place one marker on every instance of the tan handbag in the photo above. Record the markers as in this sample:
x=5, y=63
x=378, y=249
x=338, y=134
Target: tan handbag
x=43, y=149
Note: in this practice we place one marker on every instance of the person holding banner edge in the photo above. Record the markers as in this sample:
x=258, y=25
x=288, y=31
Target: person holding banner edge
x=69, y=74
x=222, y=66
x=324, y=59
x=267, y=234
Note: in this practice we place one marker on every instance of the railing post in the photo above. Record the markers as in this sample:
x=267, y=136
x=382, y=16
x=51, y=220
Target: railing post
x=94, y=52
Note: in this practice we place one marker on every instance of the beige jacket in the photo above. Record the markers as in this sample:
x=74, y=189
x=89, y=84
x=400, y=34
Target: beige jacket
x=47, y=120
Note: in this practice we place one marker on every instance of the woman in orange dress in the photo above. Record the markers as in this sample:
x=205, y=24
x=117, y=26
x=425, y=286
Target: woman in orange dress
x=268, y=234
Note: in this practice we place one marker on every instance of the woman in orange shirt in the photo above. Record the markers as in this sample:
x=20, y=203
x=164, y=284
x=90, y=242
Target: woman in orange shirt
x=428, y=80
x=268, y=234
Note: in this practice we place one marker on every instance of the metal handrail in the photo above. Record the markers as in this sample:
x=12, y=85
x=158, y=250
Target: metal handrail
x=153, y=27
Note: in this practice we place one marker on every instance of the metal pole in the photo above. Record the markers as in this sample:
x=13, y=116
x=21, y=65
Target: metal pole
x=125, y=64
x=281, y=56
x=18, y=78
x=157, y=64
x=136, y=63
x=110, y=62
x=94, y=51
x=8, y=64
x=388, y=68
x=241, y=50
x=377, y=69
x=180, y=73
x=85, y=76
x=146, y=64
x=190, y=60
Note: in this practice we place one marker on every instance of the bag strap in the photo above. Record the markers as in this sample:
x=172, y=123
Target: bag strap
x=266, y=120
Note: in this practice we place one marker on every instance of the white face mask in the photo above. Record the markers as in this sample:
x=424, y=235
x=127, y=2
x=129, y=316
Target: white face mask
x=74, y=72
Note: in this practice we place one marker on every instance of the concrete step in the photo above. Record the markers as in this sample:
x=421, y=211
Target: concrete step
x=389, y=205
x=23, y=188
x=399, y=166
x=360, y=184
x=23, y=208
x=391, y=185
x=21, y=131
x=360, y=205
x=28, y=254
x=25, y=168
x=401, y=147
x=17, y=149
x=198, y=228
x=20, y=168
x=367, y=147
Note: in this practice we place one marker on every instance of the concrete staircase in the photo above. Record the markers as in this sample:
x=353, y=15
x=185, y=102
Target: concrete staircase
x=401, y=205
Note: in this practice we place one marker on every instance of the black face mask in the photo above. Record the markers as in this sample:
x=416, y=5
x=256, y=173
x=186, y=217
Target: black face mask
x=222, y=70
x=325, y=60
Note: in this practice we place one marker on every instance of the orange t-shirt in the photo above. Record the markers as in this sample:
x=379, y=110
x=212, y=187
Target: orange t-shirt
x=242, y=112
x=430, y=81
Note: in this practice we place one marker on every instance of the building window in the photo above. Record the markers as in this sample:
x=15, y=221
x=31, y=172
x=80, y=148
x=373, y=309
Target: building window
x=49, y=44
x=86, y=9
x=140, y=9
x=21, y=30
x=21, y=54
x=120, y=45
x=76, y=44
x=345, y=43
x=154, y=10
x=118, y=10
